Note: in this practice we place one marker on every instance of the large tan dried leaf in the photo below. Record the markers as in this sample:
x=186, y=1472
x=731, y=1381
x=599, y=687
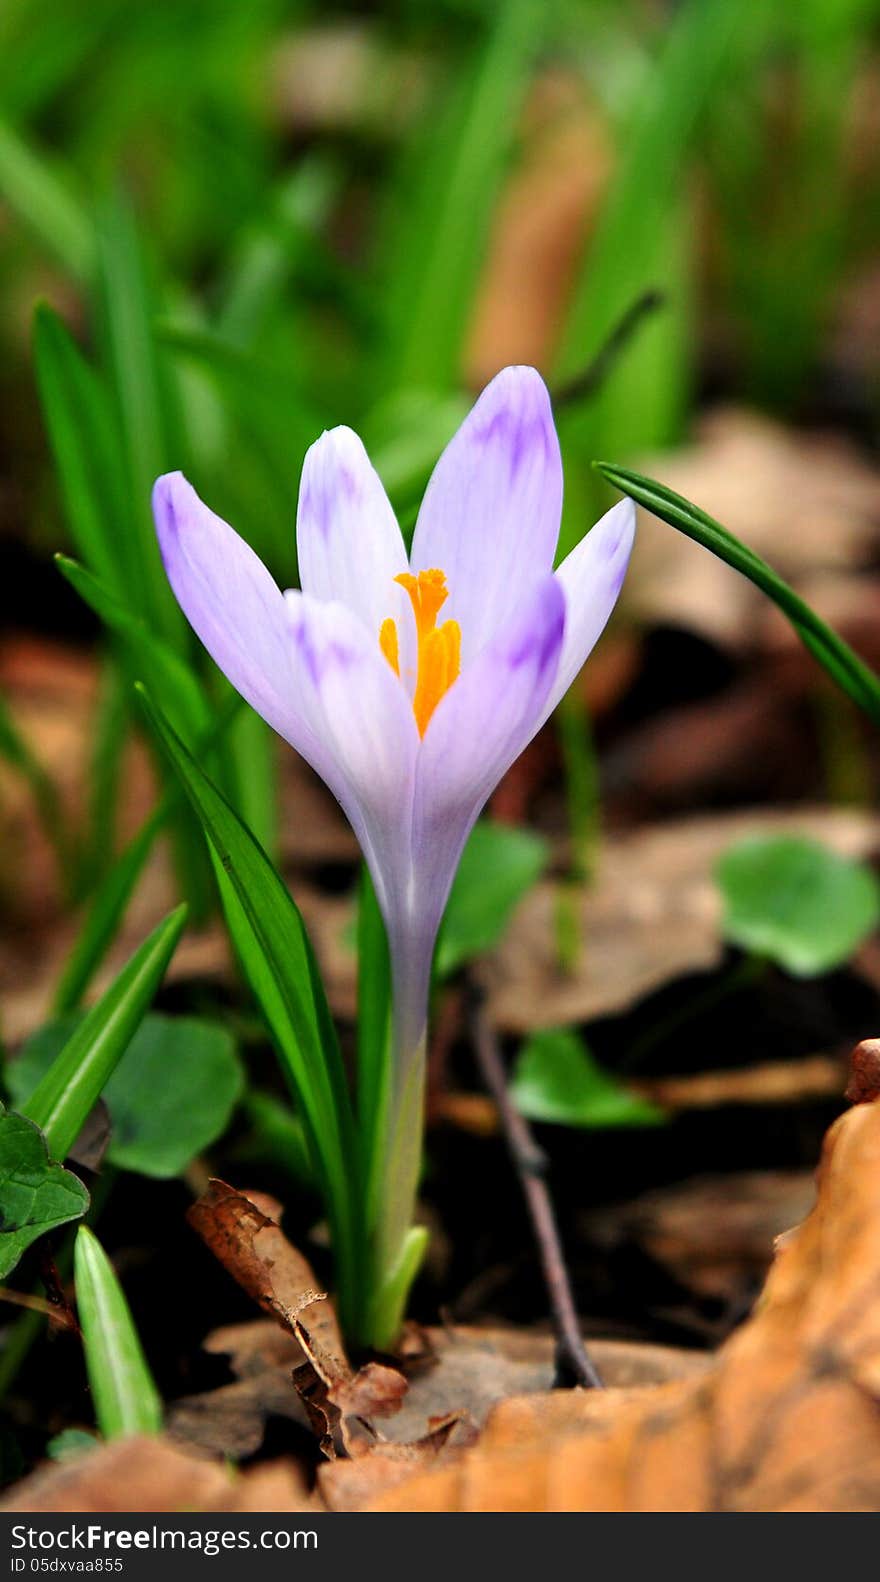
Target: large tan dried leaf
x=787, y=1418
x=652, y=915
x=142, y=1474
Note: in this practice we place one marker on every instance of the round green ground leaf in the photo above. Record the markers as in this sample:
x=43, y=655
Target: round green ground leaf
x=172, y=1094
x=797, y=902
x=35, y=1194
x=555, y=1078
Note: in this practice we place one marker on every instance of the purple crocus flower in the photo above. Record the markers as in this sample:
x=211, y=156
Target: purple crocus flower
x=411, y=723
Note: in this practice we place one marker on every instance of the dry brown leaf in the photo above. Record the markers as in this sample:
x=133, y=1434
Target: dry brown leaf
x=864, y=1078
x=460, y=1376
x=652, y=915
x=141, y=1474
x=806, y=502
x=253, y=1248
x=786, y=1419
x=128, y=1475
x=715, y=1234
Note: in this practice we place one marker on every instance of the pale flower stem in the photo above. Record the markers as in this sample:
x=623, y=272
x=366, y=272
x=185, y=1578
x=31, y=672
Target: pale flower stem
x=396, y=1245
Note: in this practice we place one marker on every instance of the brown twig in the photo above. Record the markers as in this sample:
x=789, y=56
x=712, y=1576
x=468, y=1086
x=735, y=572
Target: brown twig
x=573, y=1363
x=585, y=384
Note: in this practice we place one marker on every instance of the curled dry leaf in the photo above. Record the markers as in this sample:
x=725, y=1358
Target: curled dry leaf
x=252, y=1246
x=864, y=1076
x=786, y=1419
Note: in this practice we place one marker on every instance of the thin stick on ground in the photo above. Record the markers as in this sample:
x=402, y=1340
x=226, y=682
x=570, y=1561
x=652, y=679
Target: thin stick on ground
x=573, y=1363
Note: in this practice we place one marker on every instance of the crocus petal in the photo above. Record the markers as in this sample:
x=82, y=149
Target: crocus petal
x=228, y=597
x=308, y=667
x=491, y=512
x=355, y=725
x=591, y=577
x=348, y=541
x=475, y=733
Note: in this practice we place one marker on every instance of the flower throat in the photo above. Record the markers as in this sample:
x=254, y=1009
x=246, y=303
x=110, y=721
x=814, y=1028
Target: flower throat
x=439, y=647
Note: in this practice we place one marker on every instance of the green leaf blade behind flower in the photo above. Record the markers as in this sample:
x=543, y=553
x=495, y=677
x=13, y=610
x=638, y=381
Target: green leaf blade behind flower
x=125, y=1397
x=796, y=902
x=556, y=1079
x=36, y=1194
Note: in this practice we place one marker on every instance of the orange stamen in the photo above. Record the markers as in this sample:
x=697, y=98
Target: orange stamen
x=439, y=647
x=388, y=644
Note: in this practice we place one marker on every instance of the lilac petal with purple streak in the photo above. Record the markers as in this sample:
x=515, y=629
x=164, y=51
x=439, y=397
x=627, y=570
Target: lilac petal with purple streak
x=349, y=545
x=591, y=577
x=228, y=597
x=491, y=513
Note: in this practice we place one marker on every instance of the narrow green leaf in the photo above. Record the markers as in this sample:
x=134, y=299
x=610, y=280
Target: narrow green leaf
x=154, y=659
x=41, y=199
x=124, y=1395
x=797, y=902
x=36, y=1195
x=84, y=435
x=835, y=656
x=110, y=732
x=171, y=1095
x=556, y=1079
x=277, y=958
x=666, y=111
x=62, y=1100
x=448, y=209
x=144, y=397
x=108, y=903
x=106, y=911
x=17, y=752
x=499, y=865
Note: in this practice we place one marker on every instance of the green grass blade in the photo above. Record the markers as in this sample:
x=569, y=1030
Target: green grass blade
x=655, y=143
x=444, y=223
x=108, y=904
x=835, y=656
x=276, y=956
x=84, y=436
x=124, y=1395
x=110, y=734
x=60, y=1103
x=154, y=660
x=41, y=200
x=144, y=399
x=17, y=752
x=106, y=912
